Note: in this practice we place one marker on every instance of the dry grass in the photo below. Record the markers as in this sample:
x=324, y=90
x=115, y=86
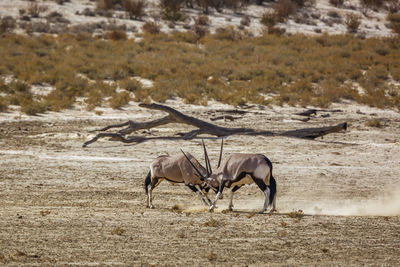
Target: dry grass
x=3, y=104
x=118, y=231
x=394, y=19
x=212, y=223
x=352, y=22
x=134, y=8
x=229, y=67
x=296, y=214
x=374, y=123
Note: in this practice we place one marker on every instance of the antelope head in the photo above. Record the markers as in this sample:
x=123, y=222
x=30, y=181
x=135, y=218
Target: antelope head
x=210, y=180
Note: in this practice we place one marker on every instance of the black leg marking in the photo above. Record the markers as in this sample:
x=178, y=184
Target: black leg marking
x=260, y=183
x=147, y=182
x=194, y=189
x=221, y=186
x=236, y=188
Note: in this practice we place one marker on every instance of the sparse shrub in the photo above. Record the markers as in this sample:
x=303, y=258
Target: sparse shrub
x=3, y=104
x=296, y=215
x=393, y=6
x=130, y=85
x=119, y=99
x=118, y=231
x=7, y=24
x=33, y=107
x=17, y=86
x=200, y=31
x=394, y=19
x=134, y=8
x=202, y=20
x=117, y=35
x=269, y=19
x=228, y=33
x=58, y=100
x=302, y=3
x=212, y=223
x=283, y=9
x=38, y=26
x=336, y=3
x=34, y=9
x=353, y=22
x=372, y=4
x=211, y=256
x=94, y=98
x=88, y=12
x=151, y=27
x=382, y=51
x=61, y=2
x=55, y=17
x=374, y=123
x=172, y=9
x=333, y=14
x=245, y=21
x=104, y=5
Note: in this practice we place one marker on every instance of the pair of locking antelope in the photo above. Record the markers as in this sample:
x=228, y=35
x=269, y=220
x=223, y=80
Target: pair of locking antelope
x=235, y=171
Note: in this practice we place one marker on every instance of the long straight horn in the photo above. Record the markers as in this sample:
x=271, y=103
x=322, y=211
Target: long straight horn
x=191, y=163
x=220, y=153
x=208, y=165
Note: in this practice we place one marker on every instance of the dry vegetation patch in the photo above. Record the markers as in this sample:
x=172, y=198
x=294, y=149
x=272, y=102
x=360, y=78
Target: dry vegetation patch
x=228, y=66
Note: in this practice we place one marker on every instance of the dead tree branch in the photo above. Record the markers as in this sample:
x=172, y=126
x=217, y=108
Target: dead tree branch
x=203, y=127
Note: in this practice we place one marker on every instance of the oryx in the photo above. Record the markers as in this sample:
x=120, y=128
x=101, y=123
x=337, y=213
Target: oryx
x=239, y=169
x=176, y=169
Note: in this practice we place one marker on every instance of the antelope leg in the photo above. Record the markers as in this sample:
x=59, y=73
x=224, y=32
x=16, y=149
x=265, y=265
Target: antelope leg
x=221, y=188
x=266, y=193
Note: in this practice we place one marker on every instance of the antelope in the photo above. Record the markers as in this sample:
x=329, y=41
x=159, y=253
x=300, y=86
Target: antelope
x=176, y=169
x=237, y=170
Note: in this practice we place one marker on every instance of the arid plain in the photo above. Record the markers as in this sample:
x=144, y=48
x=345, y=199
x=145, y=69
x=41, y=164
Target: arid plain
x=64, y=204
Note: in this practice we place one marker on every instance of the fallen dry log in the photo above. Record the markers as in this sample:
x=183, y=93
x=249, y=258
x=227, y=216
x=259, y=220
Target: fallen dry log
x=203, y=127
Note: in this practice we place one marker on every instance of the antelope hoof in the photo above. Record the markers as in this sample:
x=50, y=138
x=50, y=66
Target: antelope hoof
x=151, y=207
x=211, y=209
x=230, y=208
x=261, y=212
x=273, y=210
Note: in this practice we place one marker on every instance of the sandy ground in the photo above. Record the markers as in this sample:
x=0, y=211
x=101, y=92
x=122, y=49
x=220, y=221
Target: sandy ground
x=63, y=204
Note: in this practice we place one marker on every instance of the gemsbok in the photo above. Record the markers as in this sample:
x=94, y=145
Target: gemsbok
x=237, y=170
x=176, y=169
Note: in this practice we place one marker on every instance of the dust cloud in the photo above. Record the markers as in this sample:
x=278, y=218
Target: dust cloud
x=384, y=204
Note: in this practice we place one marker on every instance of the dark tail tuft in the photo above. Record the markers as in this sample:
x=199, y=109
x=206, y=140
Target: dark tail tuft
x=272, y=188
x=147, y=182
x=272, y=182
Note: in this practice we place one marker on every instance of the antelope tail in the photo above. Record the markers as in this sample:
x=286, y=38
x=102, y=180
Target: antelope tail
x=147, y=182
x=272, y=182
